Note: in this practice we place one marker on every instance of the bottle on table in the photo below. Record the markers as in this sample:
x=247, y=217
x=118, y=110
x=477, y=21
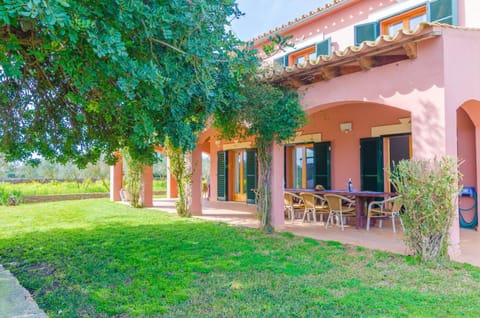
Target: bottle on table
x=350, y=185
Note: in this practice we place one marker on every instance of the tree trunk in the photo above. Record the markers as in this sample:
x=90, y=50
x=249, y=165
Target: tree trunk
x=184, y=203
x=264, y=196
x=181, y=168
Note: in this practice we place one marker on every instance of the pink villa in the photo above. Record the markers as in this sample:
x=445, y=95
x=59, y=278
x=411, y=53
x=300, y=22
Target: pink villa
x=380, y=80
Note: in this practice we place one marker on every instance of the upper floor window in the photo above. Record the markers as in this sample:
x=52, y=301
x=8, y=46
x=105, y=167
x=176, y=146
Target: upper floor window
x=408, y=20
x=302, y=56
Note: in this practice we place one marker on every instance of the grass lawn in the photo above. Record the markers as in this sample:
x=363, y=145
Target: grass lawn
x=99, y=259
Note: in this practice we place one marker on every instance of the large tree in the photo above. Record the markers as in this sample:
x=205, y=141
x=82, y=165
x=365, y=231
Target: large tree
x=85, y=77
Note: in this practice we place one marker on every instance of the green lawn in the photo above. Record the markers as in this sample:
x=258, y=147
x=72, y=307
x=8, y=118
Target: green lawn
x=99, y=259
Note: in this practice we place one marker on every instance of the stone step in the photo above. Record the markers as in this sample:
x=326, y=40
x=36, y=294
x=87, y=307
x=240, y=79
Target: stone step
x=16, y=301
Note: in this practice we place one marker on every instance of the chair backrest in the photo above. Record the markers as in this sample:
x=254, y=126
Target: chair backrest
x=334, y=201
x=287, y=199
x=320, y=200
x=396, y=204
x=308, y=200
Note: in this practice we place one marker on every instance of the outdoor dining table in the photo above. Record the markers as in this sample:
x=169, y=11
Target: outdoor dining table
x=360, y=198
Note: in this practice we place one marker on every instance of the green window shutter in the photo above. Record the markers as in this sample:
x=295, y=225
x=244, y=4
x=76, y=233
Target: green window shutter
x=366, y=32
x=371, y=164
x=324, y=47
x=282, y=61
x=222, y=175
x=443, y=11
x=251, y=174
x=322, y=162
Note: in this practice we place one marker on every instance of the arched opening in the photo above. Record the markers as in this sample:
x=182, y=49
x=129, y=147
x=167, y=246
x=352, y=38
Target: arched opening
x=348, y=140
x=468, y=149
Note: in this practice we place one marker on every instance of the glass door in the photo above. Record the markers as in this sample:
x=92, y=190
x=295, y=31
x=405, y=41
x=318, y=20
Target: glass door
x=240, y=176
x=303, y=172
x=396, y=148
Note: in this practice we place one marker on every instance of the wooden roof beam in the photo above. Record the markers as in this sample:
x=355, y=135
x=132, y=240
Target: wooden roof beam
x=328, y=72
x=366, y=62
x=411, y=49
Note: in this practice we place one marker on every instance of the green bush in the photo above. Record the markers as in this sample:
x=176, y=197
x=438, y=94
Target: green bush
x=12, y=197
x=429, y=190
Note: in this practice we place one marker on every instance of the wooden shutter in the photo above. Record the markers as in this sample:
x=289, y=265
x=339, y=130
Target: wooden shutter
x=251, y=175
x=366, y=32
x=222, y=175
x=324, y=47
x=322, y=155
x=443, y=11
x=282, y=61
x=371, y=164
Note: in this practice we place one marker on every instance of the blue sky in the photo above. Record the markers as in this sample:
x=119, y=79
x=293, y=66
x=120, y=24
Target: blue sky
x=263, y=15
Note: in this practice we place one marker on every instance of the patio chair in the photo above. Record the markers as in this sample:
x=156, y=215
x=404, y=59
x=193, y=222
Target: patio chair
x=383, y=209
x=340, y=207
x=292, y=203
x=314, y=204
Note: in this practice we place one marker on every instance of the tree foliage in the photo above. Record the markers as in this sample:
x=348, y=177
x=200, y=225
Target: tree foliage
x=81, y=78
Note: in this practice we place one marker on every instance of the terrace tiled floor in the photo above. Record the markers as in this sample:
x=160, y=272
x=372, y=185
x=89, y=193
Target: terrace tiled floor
x=383, y=239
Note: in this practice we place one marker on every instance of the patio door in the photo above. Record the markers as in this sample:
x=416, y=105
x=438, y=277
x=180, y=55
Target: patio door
x=396, y=148
x=371, y=164
x=222, y=175
x=303, y=163
x=251, y=174
x=322, y=154
x=239, y=175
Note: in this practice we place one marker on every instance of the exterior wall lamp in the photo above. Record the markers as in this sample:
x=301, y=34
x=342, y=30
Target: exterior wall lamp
x=346, y=127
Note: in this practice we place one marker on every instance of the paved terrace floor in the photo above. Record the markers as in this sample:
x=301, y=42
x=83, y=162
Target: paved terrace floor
x=241, y=214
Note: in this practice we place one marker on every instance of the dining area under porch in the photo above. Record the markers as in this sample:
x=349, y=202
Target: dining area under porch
x=366, y=208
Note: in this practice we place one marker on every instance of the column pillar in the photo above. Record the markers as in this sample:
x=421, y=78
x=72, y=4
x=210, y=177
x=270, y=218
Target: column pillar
x=451, y=149
x=477, y=167
x=278, y=216
x=147, y=186
x=197, y=181
x=116, y=176
x=172, y=187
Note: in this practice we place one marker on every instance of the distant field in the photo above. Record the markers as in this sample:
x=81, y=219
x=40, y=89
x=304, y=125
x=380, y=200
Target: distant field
x=69, y=187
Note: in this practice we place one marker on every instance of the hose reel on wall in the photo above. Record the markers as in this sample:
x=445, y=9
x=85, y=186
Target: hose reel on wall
x=463, y=210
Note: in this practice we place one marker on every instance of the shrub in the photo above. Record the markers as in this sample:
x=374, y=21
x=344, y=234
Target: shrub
x=13, y=197
x=429, y=190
